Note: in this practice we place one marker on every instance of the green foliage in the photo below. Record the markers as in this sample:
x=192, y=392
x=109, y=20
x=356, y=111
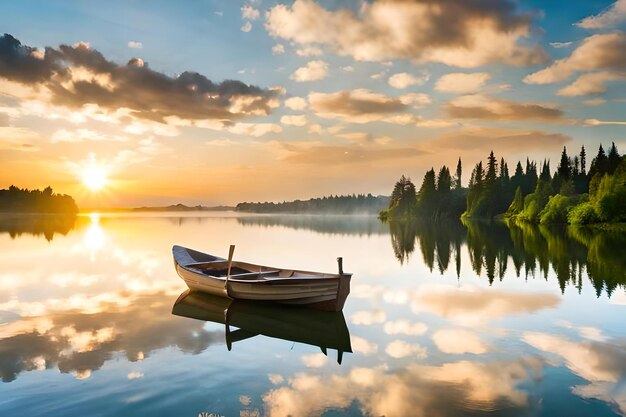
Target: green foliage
x=517, y=205
x=583, y=213
x=557, y=209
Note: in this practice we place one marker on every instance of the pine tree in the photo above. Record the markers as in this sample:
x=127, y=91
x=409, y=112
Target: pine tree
x=564, y=169
x=444, y=181
x=600, y=164
x=583, y=160
x=459, y=172
x=613, y=159
x=492, y=166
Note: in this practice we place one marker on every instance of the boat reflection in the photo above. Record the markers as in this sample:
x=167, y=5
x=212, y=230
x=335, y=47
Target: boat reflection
x=325, y=329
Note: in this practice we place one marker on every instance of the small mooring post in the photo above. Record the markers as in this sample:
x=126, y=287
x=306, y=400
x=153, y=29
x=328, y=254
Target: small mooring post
x=340, y=264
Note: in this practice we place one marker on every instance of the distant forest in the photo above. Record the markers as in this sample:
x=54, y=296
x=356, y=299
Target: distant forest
x=17, y=200
x=569, y=195
x=349, y=204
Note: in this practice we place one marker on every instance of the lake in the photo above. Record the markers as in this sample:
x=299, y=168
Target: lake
x=442, y=320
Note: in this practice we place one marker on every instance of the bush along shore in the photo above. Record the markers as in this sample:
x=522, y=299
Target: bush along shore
x=572, y=194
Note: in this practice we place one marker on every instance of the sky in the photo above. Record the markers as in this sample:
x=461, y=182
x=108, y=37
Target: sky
x=131, y=103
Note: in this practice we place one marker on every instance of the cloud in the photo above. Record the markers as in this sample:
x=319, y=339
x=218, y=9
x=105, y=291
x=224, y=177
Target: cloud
x=249, y=12
x=363, y=346
x=459, y=341
x=294, y=120
x=595, y=102
x=246, y=27
x=463, y=34
x=347, y=68
x=277, y=49
x=501, y=140
x=80, y=78
x=254, y=129
x=135, y=45
x=479, y=106
x=403, y=80
x=461, y=83
x=79, y=135
x=611, y=16
x=363, y=106
x=312, y=71
x=276, y=379
x=591, y=83
x=18, y=139
x=296, y=103
x=338, y=155
x=603, y=51
x=309, y=51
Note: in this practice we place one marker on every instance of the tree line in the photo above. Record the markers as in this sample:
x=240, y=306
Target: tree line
x=341, y=204
x=17, y=200
x=572, y=194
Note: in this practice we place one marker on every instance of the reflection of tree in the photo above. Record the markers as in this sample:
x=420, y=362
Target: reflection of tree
x=533, y=250
x=438, y=241
x=538, y=249
x=46, y=225
x=77, y=342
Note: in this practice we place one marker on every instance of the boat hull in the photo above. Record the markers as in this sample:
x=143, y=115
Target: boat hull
x=320, y=291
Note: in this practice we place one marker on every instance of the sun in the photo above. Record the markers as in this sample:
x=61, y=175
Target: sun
x=94, y=177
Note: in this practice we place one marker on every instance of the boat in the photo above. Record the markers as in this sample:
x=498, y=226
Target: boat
x=246, y=281
x=325, y=329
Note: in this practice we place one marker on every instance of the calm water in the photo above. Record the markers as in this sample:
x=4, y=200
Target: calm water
x=445, y=320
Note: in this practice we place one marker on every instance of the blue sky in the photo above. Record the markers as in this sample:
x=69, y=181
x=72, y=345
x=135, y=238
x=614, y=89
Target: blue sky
x=324, y=142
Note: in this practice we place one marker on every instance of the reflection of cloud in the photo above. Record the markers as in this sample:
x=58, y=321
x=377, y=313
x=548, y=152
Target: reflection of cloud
x=316, y=360
x=588, y=332
x=473, y=306
x=79, y=343
x=451, y=389
x=363, y=346
x=401, y=349
x=601, y=363
x=458, y=341
x=406, y=327
x=367, y=317
x=276, y=379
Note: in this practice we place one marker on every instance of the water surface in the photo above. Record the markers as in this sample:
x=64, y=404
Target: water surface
x=443, y=320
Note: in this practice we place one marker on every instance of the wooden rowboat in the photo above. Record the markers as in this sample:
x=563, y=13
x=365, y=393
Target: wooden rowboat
x=246, y=319
x=246, y=281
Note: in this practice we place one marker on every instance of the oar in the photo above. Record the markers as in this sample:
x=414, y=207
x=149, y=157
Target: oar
x=230, y=264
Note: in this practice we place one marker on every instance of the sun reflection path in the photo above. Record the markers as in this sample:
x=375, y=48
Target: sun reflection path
x=94, y=238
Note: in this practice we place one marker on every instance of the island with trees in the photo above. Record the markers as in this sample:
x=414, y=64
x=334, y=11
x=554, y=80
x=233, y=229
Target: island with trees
x=348, y=204
x=17, y=200
x=572, y=194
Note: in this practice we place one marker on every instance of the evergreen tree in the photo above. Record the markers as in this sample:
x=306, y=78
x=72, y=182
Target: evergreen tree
x=459, y=172
x=564, y=169
x=613, y=159
x=517, y=205
x=444, y=180
x=492, y=166
x=545, y=171
x=583, y=160
x=599, y=164
x=427, y=192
